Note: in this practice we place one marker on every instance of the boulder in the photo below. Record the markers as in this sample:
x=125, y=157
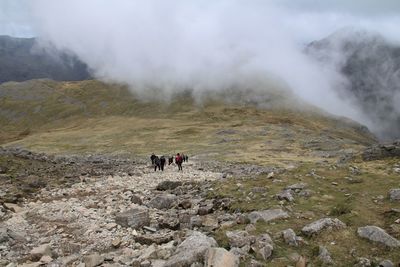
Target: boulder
x=296, y=187
x=267, y=215
x=191, y=250
x=168, y=185
x=325, y=223
x=394, y=194
x=239, y=238
x=40, y=251
x=134, y=218
x=290, y=237
x=93, y=260
x=379, y=235
x=165, y=201
x=263, y=247
x=220, y=257
x=324, y=256
x=285, y=195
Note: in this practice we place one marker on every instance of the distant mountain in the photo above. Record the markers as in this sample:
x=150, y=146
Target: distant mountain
x=22, y=59
x=372, y=67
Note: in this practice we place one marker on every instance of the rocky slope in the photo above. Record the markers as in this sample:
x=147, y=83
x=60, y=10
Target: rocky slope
x=117, y=211
x=22, y=59
x=372, y=66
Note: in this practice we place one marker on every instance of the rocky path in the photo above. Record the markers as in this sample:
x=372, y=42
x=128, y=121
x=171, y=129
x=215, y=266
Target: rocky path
x=81, y=219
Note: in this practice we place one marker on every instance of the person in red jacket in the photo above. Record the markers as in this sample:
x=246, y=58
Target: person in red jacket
x=178, y=161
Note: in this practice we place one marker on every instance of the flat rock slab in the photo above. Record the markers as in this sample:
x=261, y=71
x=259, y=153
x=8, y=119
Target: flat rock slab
x=267, y=215
x=135, y=218
x=325, y=223
x=192, y=250
x=379, y=235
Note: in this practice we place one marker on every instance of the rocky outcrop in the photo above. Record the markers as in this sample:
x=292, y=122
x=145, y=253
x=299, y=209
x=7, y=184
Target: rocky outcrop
x=382, y=151
x=376, y=234
x=394, y=194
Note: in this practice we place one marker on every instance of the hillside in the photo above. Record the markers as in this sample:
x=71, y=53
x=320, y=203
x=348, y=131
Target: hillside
x=273, y=181
x=22, y=59
x=90, y=116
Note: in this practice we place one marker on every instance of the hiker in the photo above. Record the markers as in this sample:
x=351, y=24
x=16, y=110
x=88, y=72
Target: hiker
x=170, y=160
x=178, y=161
x=186, y=158
x=162, y=163
x=157, y=163
x=183, y=157
x=152, y=157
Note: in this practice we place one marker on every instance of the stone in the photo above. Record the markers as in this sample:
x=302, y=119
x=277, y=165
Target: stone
x=136, y=200
x=155, y=238
x=290, y=237
x=93, y=260
x=134, y=218
x=285, y=195
x=149, y=253
x=263, y=247
x=295, y=187
x=302, y=262
x=239, y=238
x=13, y=207
x=324, y=256
x=46, y=259
x=376, y=234
x=267, y=215
x=270, y=175
x=363, y=262
x=195, y=221
x=394, y=194
x=168, y=185
x=210, y=223
x=116, y=242
x=169, y=222
x=165, y=201
x=191, y=250
x=111, y=226
x=185, y=204
x=40, y=251
x=220, y=257
x=321, y=224
x=204, y=210
x=386, y=263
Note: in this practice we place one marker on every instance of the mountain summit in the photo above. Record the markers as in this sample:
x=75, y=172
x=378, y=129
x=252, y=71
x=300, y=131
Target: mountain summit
x=22, y=59
x=371, y=65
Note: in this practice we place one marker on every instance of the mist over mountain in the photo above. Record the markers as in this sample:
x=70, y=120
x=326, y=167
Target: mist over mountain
x=371, y=65
x=23, y=59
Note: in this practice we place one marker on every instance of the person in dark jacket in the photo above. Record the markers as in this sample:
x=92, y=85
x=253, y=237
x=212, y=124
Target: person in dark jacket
x=152, y=157
x=162, y=162
x=157, y=163
x=170, y=160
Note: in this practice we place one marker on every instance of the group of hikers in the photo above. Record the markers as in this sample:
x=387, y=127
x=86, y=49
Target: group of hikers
x=159, y=162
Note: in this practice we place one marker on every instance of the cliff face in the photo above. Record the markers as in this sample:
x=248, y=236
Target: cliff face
x=21, y=59
x=372, y=67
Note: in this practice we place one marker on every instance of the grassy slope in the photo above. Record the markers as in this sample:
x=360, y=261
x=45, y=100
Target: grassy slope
x=91, y=116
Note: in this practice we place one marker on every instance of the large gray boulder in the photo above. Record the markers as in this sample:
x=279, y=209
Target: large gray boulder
x=220, y=257
x=325, y=223
x=290, y=237
x=379, y=235
x=267, y=215
x=192, y=249
x=40, y=251
x=165, y=201
x=134, y=218
x=93, y=260
x=394, y=194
